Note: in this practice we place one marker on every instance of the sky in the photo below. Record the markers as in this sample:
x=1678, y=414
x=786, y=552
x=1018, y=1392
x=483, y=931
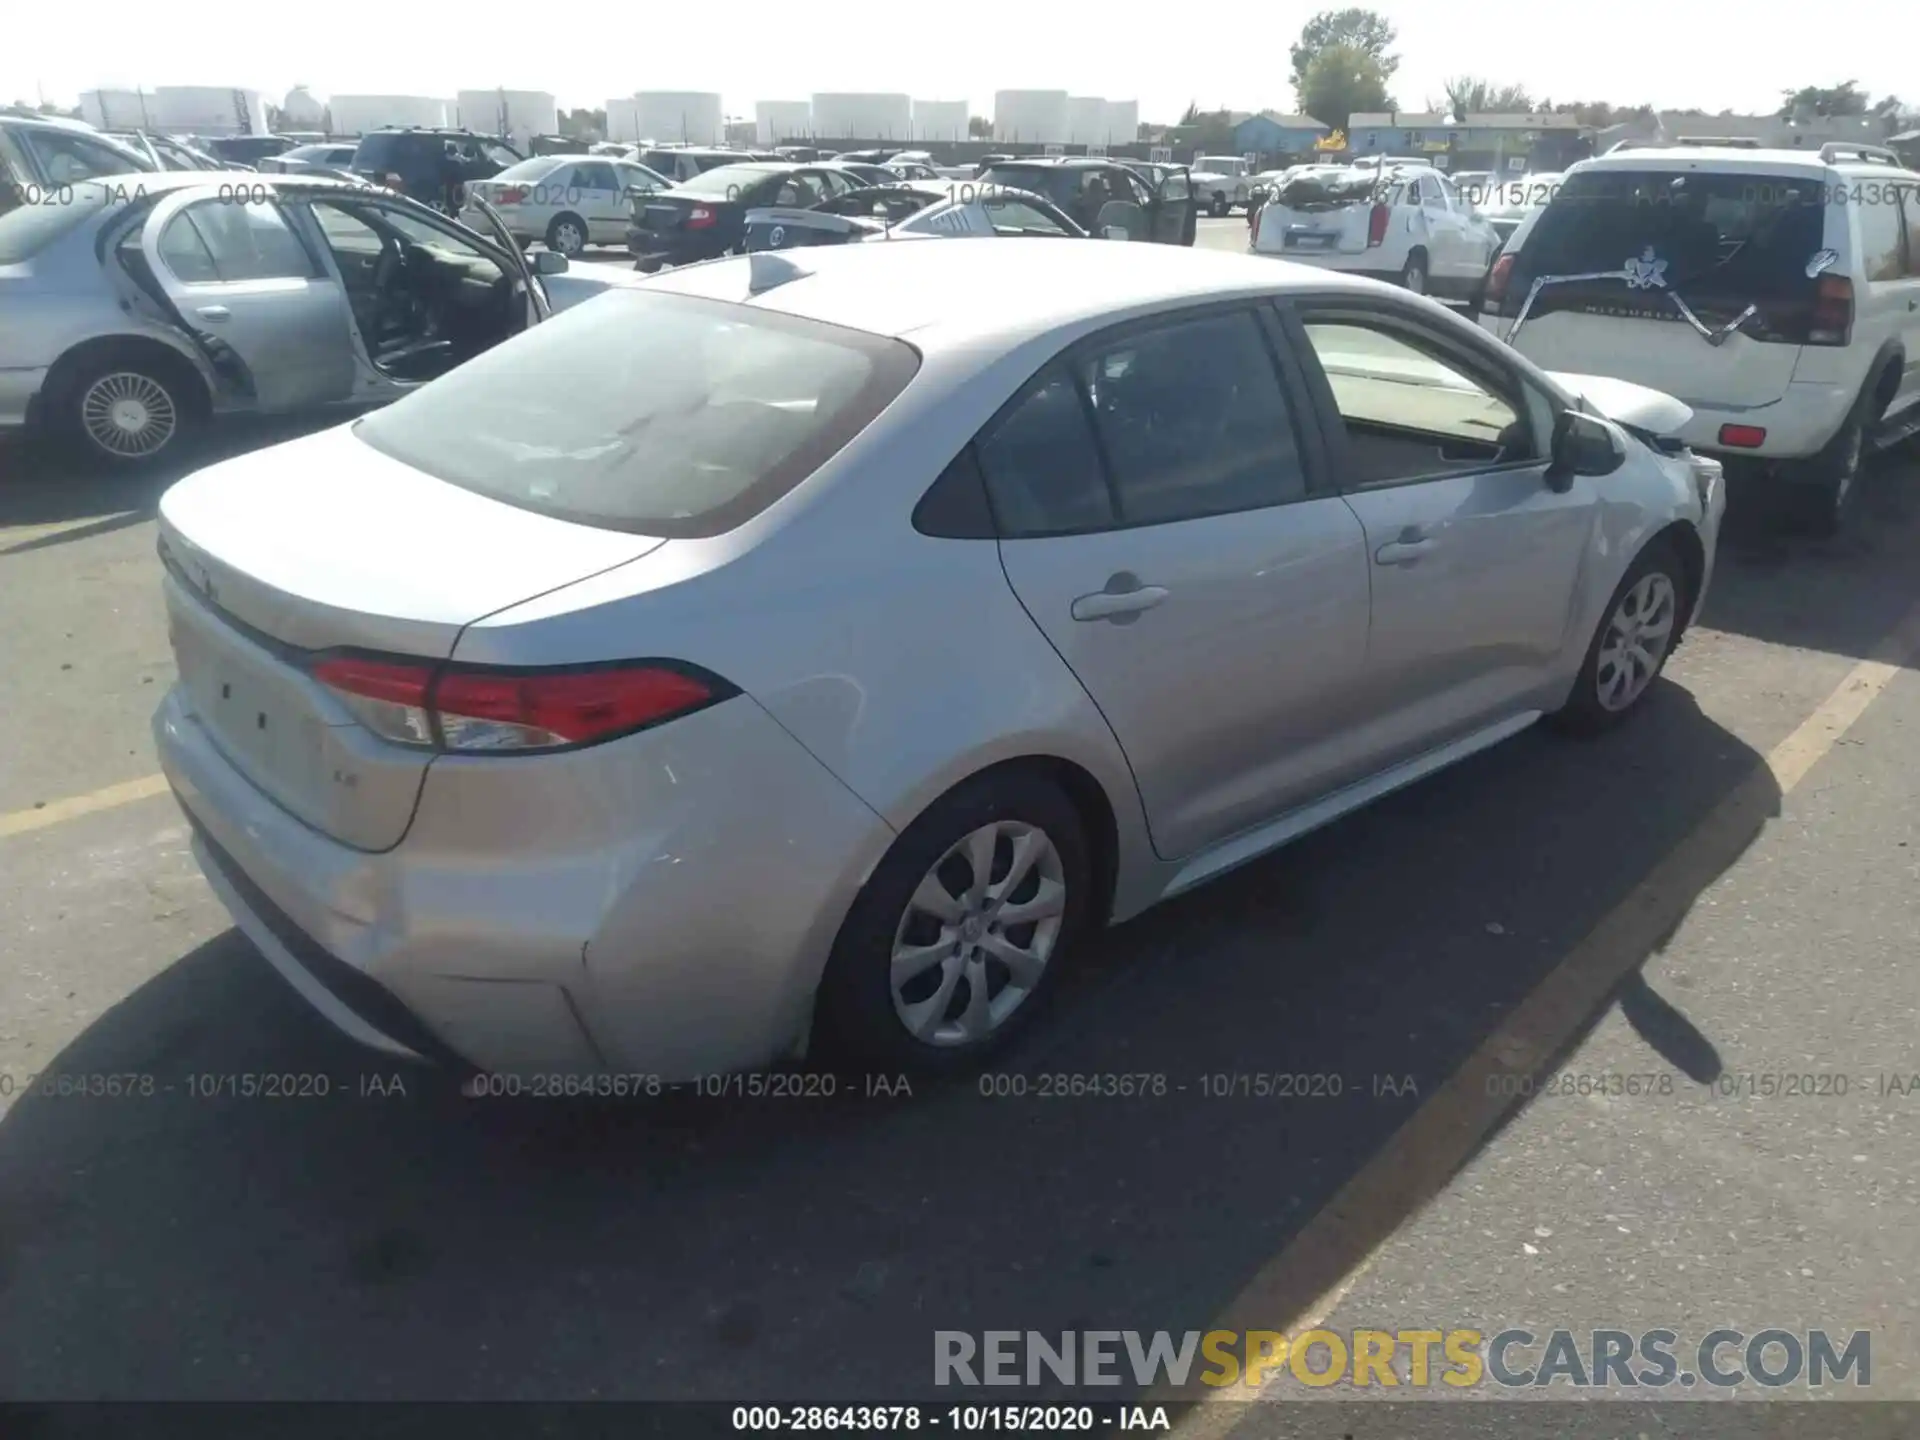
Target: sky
x=1668, y=53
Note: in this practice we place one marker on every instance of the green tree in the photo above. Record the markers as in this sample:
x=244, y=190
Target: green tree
x=1191, y=115
x=1470, y=95
x=1365, y=30
x=979, y=127
x=1341, y=80
x=1846, y=98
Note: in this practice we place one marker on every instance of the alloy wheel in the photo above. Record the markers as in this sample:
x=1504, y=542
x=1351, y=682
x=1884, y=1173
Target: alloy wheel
x=128, y=414
x=1638, y=634
x=978, y=933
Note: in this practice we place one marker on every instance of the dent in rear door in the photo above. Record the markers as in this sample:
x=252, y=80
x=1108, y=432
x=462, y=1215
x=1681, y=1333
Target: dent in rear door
x=1223, y=648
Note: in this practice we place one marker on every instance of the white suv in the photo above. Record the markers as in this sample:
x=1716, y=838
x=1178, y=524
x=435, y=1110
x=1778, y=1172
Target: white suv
x=1398, y=222
x=1776, y=292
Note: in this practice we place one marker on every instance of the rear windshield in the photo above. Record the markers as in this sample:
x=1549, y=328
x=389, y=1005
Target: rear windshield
x=1328, y=189
x=648, y=412
x=1745, y=230
x=27, y=229
x=727, y=182
x=535, y=168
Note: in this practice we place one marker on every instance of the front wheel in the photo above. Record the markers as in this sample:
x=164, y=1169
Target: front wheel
x=1641, y=626
x=957, y=938
x=1413, y=275
x=568, y=235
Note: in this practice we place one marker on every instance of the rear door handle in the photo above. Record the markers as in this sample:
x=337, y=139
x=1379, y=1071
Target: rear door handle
x=1121, y=602
x=1402, y=552
x=215, y=313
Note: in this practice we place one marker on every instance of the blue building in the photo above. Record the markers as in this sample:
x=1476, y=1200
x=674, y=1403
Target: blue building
x=1272, y=134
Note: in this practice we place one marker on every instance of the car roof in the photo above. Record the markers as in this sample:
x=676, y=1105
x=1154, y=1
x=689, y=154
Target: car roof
x=1009, y=292
x=1735, y=159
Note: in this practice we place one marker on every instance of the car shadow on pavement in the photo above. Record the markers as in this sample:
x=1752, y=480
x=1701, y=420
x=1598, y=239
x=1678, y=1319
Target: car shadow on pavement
x=1839, y=595
x=44, y=484
x=368, y=1244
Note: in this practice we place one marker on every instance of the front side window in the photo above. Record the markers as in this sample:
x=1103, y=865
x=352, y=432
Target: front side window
x=1410, y=410
x=1193, y=421
x=648, y=412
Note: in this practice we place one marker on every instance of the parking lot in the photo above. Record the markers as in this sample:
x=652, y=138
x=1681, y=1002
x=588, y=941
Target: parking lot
x=1722, y=894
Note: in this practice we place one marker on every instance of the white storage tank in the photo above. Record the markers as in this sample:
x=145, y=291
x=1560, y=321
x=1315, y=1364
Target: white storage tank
x=1122, y=122
x=357, y=114
x=940, y=120
x=777, y=121
x=301, y=110
x=208, y=110
x=843, y=115
x=516, y=116
x=1086, y=120
x=623, y=119
x=690, y=116
x=1030, y=117
x=118, y=109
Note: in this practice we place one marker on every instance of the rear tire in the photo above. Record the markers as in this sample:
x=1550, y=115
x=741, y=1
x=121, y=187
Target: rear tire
x=129, y=410
x=1823, y=496
x=568, y=235
x=1631, y=645
x=920, y=979
x=1413, y=275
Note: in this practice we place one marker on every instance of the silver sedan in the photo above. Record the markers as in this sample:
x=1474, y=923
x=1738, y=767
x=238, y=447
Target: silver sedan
x=566, y=202
x=602, y=709
x=139, y=306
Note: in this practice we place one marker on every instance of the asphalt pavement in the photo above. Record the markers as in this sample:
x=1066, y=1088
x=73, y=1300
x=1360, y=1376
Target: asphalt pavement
x=1723, y=891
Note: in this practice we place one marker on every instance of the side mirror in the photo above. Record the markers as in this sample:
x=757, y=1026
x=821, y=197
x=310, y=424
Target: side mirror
x=1582, y=445
x=548, y=262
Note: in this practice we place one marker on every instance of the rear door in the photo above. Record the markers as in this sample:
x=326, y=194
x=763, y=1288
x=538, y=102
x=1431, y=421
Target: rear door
x=254, y=297
x=1153, y=494
x=1174, y=217
x=1441, y=450
x=602, y=201
x=1636, y=242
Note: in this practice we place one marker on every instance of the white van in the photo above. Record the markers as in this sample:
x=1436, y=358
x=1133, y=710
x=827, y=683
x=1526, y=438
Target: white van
x=1775, y=292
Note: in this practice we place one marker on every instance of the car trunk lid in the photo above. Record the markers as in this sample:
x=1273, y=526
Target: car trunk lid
x=1323, y=213
x=1697, y=283
x=780, y=227
x=324, y=545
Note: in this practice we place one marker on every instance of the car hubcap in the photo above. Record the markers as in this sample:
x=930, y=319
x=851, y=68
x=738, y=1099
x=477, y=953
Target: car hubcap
x=978, y=933
x=1638, y=633
x=1849, y=468
x=569, y=239
x=128, y=414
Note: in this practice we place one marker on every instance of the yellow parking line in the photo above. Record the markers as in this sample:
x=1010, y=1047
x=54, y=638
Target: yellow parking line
x=19, y=822
x=1299, y=1288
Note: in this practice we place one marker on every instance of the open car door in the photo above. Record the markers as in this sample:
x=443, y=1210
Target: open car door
x=539, y=306
x=1175, y=216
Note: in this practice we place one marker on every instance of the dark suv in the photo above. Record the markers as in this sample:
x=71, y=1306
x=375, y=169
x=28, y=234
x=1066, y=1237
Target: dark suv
x=1108, y=200
x=431, y=166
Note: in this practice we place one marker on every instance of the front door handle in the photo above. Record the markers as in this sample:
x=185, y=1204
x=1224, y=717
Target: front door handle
x=1404, y=551
x=215, y=313
x=1121, y=602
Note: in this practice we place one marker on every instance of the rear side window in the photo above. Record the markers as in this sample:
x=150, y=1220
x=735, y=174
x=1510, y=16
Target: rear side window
x=217, y=240
x=648, y=412
x=380, y=150
x=1883, y=247
x=728, y=182
x=1193, y=421
x=1042, y=467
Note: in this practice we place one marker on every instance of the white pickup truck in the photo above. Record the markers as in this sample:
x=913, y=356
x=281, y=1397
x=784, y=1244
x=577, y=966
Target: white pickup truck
x=1221, y=182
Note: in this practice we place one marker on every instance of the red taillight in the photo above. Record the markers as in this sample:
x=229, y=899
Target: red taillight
x=1497, y=280
x=1832, y=312
x=512, y=195
x=1253, y=240
x=1743, y=437
x=510, y=710
x=699, y=218
x=1377, y=225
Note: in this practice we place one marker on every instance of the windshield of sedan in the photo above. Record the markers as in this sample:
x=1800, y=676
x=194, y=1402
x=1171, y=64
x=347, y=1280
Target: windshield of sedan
x=648, y=412
x=535, y=169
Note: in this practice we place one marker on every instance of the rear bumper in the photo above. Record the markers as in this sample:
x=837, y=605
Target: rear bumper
x=568, y=914
x=674, y=250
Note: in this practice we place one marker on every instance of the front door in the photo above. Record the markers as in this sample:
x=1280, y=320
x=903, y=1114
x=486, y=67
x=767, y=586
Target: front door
x=1442, y=453
x=601, y=201
x=258, y=302
x=1152, y=491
